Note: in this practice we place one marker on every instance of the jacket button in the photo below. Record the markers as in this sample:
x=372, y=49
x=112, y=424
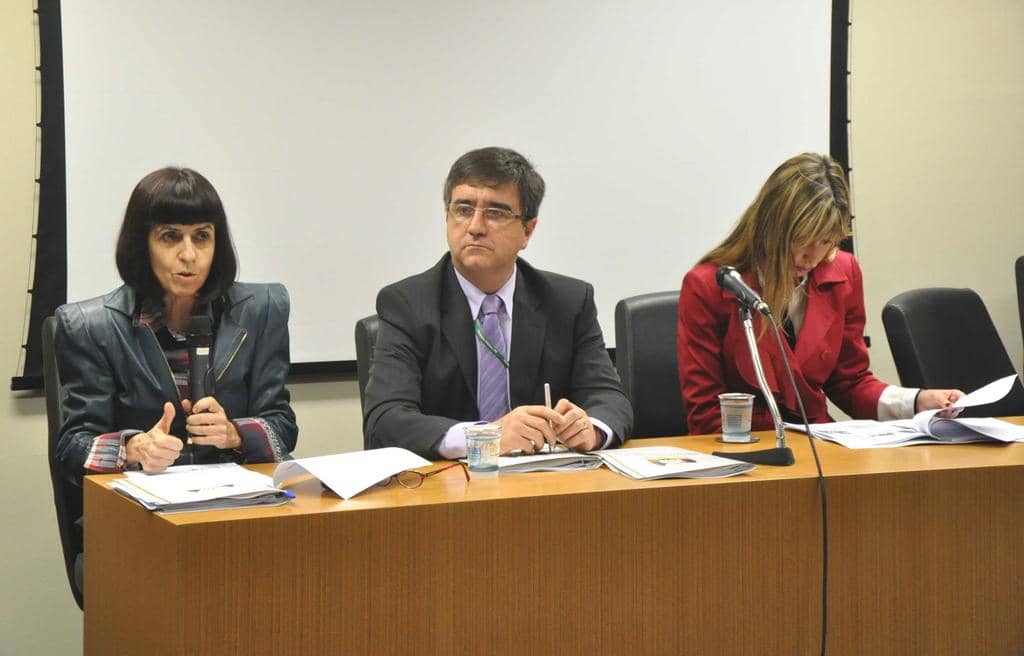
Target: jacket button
x=824, y=355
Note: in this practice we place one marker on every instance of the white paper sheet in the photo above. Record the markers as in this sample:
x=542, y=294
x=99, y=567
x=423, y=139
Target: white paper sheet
x=985, y=394
x=348, y=474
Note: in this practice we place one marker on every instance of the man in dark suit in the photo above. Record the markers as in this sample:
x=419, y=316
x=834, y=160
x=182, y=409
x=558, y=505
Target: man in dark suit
x=476, y=337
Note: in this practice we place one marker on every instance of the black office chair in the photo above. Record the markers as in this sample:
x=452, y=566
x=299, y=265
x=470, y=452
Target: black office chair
x=1020, y=292
x=366, y=339
x=67, y=497
x=942, y=338
x=645, y=355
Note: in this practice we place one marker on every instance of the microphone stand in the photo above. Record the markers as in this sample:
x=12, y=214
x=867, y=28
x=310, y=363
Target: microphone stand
x=781, y=455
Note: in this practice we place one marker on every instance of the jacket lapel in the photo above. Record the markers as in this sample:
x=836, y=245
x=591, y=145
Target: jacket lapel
x=736, y=336
x=457, y=326
x=528, y=328
x=820, y=317
x=765, y=347
x=156, y=368
x=230, y=334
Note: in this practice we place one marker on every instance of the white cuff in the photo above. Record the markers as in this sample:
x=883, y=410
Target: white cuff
x=453, y=446
x=897, y=403
x=609, y=435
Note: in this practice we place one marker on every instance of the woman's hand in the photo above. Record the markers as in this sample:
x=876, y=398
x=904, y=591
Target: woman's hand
x=208, y=424
x=156, y=449
x=936, y=399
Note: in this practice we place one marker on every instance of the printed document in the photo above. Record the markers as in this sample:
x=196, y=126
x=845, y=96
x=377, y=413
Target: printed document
x=200, y=487
x=928, y=427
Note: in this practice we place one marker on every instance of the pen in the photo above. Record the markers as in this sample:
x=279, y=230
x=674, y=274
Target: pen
x=547, y=402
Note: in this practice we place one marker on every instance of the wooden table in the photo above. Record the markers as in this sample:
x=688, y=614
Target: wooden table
x=925, y=559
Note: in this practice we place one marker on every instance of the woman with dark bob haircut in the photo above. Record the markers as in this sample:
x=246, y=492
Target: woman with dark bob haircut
x=786, y=247
x=123, y=358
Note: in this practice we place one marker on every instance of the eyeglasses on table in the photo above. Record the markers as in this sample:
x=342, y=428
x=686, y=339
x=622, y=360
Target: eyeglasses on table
x=412, y=479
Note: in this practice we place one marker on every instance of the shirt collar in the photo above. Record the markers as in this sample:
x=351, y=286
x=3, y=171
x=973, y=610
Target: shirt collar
x=150, y=313
x=475, y=297
x=801, y=283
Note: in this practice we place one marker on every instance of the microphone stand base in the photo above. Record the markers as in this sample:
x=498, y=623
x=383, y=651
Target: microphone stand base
x=780, y=457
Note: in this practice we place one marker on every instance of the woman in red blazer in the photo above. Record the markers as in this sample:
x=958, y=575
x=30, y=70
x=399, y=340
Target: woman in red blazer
x=785, y=247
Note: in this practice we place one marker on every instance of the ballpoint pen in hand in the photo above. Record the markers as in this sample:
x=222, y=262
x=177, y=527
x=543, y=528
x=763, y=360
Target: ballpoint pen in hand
x=547, y=402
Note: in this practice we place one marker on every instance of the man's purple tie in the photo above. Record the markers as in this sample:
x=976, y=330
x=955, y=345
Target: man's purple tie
x=493, y=374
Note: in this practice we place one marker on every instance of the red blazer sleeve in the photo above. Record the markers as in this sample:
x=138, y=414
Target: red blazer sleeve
x=703, y=322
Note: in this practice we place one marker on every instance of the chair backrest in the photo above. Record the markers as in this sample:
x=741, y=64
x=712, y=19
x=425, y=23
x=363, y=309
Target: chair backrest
x=1020, y=293
x=366, y=339
x=645, y=355
x=943, y=338
x=67, y=497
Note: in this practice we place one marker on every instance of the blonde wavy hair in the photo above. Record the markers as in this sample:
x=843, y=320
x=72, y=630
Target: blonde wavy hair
x=803, y=201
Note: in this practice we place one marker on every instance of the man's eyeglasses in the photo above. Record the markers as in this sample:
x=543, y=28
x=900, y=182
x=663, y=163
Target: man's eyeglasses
x=495, y=216
x=412, y=479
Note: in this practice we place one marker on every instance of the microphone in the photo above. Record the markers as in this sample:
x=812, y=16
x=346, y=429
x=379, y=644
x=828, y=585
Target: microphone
x=199, y=339
x=729, y=279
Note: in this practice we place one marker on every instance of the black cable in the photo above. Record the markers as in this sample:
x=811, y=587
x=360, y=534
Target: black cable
x=821, y=489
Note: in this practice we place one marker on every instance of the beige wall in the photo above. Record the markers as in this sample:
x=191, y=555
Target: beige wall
x=937, y=152
x=935, y=94
x=37, y=613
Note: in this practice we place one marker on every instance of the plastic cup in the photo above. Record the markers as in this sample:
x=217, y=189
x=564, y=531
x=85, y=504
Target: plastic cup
x=483, y=444
x=736, y=410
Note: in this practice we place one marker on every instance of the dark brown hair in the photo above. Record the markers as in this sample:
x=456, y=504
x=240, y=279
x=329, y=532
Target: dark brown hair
x=493, y=166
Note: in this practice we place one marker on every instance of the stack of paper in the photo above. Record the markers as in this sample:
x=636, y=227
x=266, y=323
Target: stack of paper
x=200, y=487
x=561, y=459
x=654, y=462
x=642, y=464
x=928, y=427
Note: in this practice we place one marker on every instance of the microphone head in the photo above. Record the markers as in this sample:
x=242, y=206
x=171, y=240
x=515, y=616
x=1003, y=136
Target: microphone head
x=723, y=273
x=199, y=331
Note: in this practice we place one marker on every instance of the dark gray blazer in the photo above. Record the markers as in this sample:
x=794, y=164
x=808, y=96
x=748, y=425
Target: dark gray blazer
x=424, y=374
x=114, y=375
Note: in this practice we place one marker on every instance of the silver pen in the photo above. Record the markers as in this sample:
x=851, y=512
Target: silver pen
x=547, y=402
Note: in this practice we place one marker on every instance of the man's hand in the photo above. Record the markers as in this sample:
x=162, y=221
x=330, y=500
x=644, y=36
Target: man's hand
x=156, y=449
x=208, y=424
x=575, y=430
x=527, y=428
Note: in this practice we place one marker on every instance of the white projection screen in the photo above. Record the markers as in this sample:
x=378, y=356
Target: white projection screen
x=328, y=128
